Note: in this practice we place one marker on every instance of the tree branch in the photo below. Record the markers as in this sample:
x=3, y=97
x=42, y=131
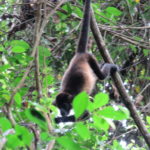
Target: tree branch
x=118, y=81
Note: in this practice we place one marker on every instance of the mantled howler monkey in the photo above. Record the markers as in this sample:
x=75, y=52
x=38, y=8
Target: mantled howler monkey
x=82, y=72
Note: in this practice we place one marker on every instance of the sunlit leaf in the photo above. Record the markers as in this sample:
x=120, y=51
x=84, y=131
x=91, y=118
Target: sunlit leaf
x=24, y=134
x=113, y=11
x=5, y=124
x=20, y=43
x=137, y=1
x=148, y=119
x=110, y=112
x=100, y=123
x=100, y=100
x=68, y=143
x=4, y=67
x=18, y=49
x=82, y=130
x=13, y=141
x=48, y=80
x=36, y=117
x=1, y=48
x=80, y=104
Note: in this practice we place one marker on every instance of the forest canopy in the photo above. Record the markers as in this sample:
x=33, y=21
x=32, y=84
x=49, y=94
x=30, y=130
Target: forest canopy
x=37, y=41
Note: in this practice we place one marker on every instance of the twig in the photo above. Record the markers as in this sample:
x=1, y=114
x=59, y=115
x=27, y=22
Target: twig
x=50, y=145
x=129, y=8
x=144, y=89
x=126, y=38
x=118, y=81
x=48, y=120
x=125, y=27
x=123, y=134
x=37, y=71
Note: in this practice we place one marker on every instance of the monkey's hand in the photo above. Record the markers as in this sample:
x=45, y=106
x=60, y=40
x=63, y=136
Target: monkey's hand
x=114, y=68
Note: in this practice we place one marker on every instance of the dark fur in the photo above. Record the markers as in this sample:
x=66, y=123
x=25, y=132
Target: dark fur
x=82, y=73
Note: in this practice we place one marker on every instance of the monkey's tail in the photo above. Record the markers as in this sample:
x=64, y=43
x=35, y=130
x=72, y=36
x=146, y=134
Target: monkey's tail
x=83, y=39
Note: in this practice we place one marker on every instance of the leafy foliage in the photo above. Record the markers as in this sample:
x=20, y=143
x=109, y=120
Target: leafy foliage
x=109, y=126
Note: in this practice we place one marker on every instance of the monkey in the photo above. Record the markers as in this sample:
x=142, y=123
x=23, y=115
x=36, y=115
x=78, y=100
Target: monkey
x=82, y=72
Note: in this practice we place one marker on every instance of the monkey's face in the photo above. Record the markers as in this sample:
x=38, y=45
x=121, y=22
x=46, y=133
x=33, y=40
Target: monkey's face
x=63, y=102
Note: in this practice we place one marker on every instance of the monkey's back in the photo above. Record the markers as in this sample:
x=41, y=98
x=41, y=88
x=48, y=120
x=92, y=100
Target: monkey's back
x=79, y=76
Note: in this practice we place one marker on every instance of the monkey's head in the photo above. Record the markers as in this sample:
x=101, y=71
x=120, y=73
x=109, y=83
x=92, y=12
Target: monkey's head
x=64, y=103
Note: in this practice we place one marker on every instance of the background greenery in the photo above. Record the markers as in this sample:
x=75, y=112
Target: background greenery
x=125, y=26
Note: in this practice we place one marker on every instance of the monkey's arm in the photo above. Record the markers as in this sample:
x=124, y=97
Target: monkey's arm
x=106, y=70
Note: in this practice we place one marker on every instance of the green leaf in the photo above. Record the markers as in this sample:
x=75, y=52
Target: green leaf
x=100, y=100
x=124, y=110
x=113, y=11
x=68, y=143
x=4, y=67
x=146, y=52
x=83, y=131
x=78, y=11
x=5, y=124
x=24, y=135
x=117, y=146
x=100, y=123
x=48, y=80
x=20, y=43
x=148, y=119
x=1, y=48
x=90, y=106
x=80, y=103
x=19, y=46
x=18, y=49
x=110, y=112
x=36, y=117
x=13, y=141
x=44, y=136
x=67, y=8
x=18, y=99
x=133, y=48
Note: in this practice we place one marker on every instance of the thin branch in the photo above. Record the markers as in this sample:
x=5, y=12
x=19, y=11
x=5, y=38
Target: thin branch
x=118, y=81
x=48, y=120
x=144, y=89
x=50, y=145
x=37, y=70
x=126, y=38
x=119, y=136
x=125, y=27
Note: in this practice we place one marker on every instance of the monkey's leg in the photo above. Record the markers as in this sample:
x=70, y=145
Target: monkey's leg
x=106, y=70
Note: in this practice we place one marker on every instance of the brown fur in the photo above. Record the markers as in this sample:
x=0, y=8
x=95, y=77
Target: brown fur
x=79, y=76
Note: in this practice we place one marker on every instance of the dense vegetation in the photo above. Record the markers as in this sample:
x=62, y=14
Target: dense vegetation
x=37, y=42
